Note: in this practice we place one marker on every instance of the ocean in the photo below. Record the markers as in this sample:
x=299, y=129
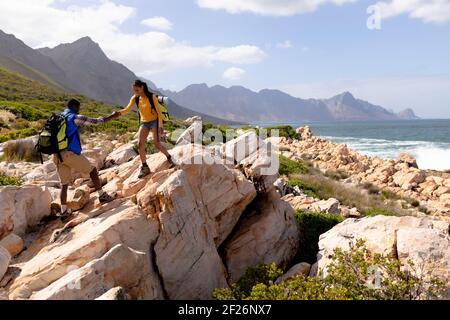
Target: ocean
x=427, y=140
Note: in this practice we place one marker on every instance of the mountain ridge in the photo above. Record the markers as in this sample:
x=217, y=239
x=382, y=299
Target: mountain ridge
x=276, y=105
x=83, y=67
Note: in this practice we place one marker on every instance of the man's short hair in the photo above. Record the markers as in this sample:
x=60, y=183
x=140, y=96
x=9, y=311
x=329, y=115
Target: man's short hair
x=73, y=103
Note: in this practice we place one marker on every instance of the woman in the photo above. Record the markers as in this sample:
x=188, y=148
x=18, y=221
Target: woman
x=151, y=121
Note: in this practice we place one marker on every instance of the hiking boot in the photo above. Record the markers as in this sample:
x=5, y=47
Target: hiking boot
x=145, y=171
x=106, y=198
x=65, y=215
x=172, y=164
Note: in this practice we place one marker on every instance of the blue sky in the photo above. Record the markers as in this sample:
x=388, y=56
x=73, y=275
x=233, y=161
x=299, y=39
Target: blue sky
x=307, y=48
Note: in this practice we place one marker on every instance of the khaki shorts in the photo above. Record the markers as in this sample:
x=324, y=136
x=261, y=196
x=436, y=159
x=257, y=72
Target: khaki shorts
x=71, y=161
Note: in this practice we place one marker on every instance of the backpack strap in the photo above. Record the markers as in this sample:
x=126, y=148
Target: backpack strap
x=136, y=100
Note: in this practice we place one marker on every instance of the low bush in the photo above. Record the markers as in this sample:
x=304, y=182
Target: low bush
x=372, y=212
x=290, y=167
x=265, y=274
x=312, y=225
x=9, y=181
x=356, y=274
x=20, y=150
x=336, y=175
x=284, y=131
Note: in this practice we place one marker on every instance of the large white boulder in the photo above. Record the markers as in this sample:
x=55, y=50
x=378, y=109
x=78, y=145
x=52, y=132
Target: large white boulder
x=268, y=234
x=22, y=208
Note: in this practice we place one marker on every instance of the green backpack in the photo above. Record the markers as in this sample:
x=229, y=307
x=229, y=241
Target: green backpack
x=53, y=139
x=163, y=101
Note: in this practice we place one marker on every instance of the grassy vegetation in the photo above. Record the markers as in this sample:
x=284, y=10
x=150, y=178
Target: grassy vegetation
x=356, y=274
x=367, y=198
x=9, y=181
x=291, y=167
x=312, y=225
x=20, y=150
x=31, y=103
x=262, y=274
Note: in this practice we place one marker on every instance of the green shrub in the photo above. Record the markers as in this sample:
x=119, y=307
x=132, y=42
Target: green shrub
x=312, y=225
x=372, y=212
x=288, y=167
x=371, y=188
x=18, y=134
x=9, y=181
x=305, y=187
x=284, y=131
x=22, y=110
x=336, y=175
x=265, y=274
x=356, y=274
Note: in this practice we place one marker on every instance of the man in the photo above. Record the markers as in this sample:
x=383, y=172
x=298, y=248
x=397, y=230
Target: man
x=72, y=159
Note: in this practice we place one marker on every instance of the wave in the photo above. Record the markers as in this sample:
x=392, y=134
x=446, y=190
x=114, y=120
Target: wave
x=429, y=155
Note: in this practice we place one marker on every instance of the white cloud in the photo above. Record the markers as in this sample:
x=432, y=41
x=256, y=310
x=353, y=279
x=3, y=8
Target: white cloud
x=269, y=7
x=435, y=11
x=284, y=45
x=158, y=23
x=234, y=74
x=40, y=24
x=428, y=95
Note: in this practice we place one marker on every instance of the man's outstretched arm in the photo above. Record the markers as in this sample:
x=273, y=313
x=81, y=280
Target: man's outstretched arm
x=81, y=120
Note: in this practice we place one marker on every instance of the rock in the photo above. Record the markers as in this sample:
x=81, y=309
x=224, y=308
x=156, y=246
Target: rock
x=445, y=200
x=423, y=240
x=262, y=169
x=192, y=135
x=115, y=224
x=186, y=253
x=326, y=206
x=441, y=191
x=120, y=266
x=407, y=179
x=236, y=150
x=350, y=213
x=114, y=294
x=192, y=120
x=44, y=172
x=5, y=259
x=305, y=133
x=13, y=243
x=266, y=235
x=408, y=159
x=428, y=249
x=301, y=269
x=79, y=198
x=314, y=270
x=121, y=155
x=96, y=156
x=22, y=208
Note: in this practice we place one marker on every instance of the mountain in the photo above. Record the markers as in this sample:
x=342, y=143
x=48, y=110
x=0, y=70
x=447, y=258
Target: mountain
x=239, y=103
x=81, y=67
x=408, y=114
x=91, y=72
x=273, y=105
x=16, y=56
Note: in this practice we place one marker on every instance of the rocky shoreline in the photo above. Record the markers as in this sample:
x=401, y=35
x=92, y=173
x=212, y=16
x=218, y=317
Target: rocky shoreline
x=401, y=176
x=183, y=232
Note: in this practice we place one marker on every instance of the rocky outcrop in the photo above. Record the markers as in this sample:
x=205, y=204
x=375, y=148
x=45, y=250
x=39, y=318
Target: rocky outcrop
x=22, y=208
x=13, y=243
x=301, y=269
x=401, y=176
x=267, y=234
x=5, y=259
x=422, y=240
x=169, y=234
